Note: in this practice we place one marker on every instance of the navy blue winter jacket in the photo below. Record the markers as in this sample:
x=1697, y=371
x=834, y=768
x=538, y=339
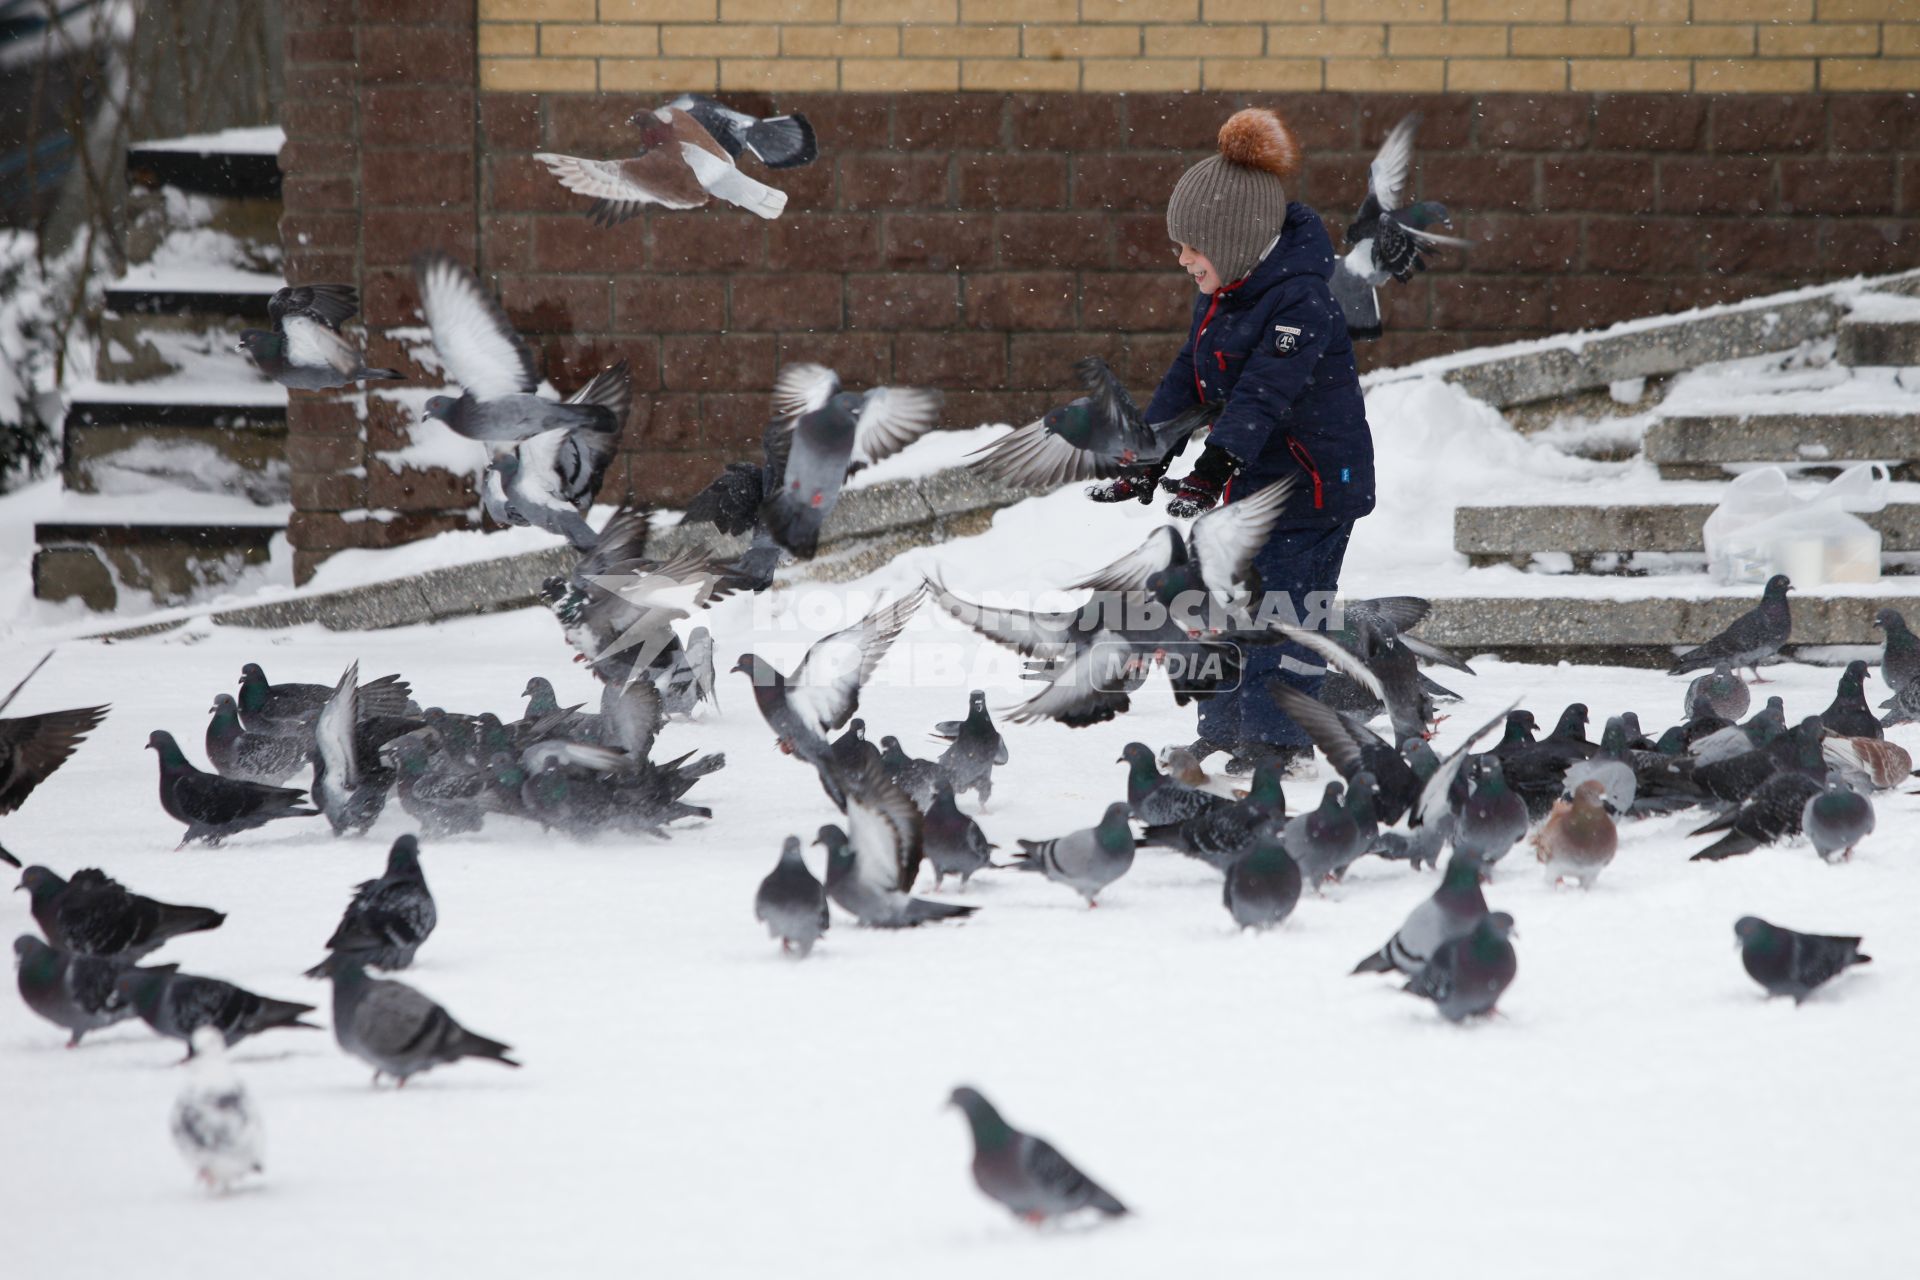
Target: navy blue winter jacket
x=1273, y=348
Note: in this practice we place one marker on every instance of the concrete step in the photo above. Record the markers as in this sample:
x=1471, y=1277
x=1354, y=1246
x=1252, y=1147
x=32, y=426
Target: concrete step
x=152, y=325
x=130, y=446
x=93, y=563
x=1500, y=535
x=1879, y=342
x=1639, y=631
x=230, y=182
x=1708, y=447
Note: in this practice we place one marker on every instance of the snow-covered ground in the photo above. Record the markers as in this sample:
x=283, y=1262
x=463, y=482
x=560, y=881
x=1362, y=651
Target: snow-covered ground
x=693, y=1104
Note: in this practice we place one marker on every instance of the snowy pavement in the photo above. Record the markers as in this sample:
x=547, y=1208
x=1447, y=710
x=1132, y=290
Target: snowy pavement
x=693, y=1104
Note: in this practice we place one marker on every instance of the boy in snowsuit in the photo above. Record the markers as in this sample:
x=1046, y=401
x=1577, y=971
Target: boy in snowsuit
x=1267, y=343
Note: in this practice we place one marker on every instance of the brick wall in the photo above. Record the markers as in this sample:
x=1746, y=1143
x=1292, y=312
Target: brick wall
x=980, y=242
x=1406, y=46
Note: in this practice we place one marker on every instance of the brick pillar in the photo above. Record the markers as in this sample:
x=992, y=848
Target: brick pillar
x=380, y=163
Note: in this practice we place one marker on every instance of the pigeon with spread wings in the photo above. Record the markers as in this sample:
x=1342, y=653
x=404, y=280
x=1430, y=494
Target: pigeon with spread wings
x=681, y=165
x=305, y=349
x=1385, y=239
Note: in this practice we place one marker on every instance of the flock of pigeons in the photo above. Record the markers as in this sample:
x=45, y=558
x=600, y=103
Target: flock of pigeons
x=1188, y=587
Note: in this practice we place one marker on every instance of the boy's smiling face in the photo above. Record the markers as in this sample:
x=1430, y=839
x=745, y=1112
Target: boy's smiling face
x=1195, y=263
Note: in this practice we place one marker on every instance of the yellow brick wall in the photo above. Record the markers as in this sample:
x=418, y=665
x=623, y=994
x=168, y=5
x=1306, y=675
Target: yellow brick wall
x=1477, y=46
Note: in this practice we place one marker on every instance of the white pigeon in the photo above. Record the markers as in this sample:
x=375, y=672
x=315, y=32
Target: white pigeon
x=215, y=1125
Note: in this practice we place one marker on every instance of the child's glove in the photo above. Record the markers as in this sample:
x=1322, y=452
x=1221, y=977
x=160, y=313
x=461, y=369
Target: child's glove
x=1136, y=483
x=1201, y=487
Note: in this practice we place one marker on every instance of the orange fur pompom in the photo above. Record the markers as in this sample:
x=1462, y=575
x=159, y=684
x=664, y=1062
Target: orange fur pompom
x=1260, y=139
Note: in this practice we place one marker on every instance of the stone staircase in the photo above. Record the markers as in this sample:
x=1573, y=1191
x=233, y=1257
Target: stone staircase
x=174, y=460
x=1633, y=565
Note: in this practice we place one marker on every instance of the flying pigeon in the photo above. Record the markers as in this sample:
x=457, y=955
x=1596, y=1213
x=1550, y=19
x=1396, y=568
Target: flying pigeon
x=175, y=1004
x=74, y=992
x=1793, y=964
x=93, y=915
x=1385, y=238
x=1900, y=654
x=778, y=142
x=1577, y=840
x=871, y=866
x=1087, y=860
x=1024, y=1172
x=387, y=919
x=954, y=842
x=396, y=1030
x=32, y=747
x=1213, y=560
x=734, y=503
x=291, y=709
x=551, y=478
x=1836, y=820
x=791, y=903
x=1467, y=975
x=1095, y=436
x=480, y=349
x=214, y=807
x=1752, y=638
x=1720, y=693
x=679, y=166
x=251, y=757
x=833, y=431
x=216, y=1127
x=824, y=690
x=304, y=350
x=350, y=791
x=1847, y=715
x=977, y=748
x=1453, y=910
x=1263, y=884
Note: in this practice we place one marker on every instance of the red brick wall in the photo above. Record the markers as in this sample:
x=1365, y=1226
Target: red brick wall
x=982, y=242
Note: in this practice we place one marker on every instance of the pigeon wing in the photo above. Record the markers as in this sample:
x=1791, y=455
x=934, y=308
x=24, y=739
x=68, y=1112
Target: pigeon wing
x=32, y=747
x=311, y=344
x=1130, y=572
x=333, y=730
x=1225, y=539
x=478, y=346
x=883, y=827
x=800, y=389
x=1043, y=635
x=1387, y=175
x=329, y=304
x=891, y=418
x=1033, y=457
x=825, y=688
x=653, y=177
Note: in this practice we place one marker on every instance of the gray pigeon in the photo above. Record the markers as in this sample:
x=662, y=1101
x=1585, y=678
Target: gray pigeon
x=1607, y=766
x=1023, y=1172
x=1793, y=964
x=265, y=758
x=1847, y=715
x=954, y=842
x=1900, y=654
x=872, y=865
x=1467, y=975
x=304, y=350
x=915, y=776
x=1720, y=693
x=396, y=1030
x=832, y=431
x=1097, y=435
x=1752, y=638
x=1219, y=837
x=1263, y=884
x=174, y=1004
x=481, y=350
x=1087, y=860
x=350, y=791
x=388, y=919
x=1455, y=907
x=1158, y=799
x=94, y=915
x=1326, y=840
x=291, y=709
x=977, y=748
x=551, y=479
x=688, y=681
x=75, y=992
x=1836, y=820
x=214, y=807
x=216, y=1128
x=791, y=903
x=1903, y=707
x=1771, y=811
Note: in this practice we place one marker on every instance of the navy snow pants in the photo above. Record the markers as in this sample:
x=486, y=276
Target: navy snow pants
x=1300, y=560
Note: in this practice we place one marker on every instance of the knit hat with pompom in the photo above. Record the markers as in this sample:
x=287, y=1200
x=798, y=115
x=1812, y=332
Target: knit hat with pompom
x=1230, y=206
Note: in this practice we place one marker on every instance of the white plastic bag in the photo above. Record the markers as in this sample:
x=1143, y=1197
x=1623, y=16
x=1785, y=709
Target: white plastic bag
x=1761, y=528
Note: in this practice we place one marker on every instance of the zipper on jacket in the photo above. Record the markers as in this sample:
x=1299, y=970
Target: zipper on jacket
x=1305, y=459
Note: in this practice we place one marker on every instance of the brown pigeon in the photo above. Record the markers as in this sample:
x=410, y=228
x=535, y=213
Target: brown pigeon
x=680, y=166
x=1578, y=838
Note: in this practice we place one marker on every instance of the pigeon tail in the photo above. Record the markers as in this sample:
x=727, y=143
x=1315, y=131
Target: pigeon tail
x=1378, y=962
x=477, y=1046
x=1731, y=845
